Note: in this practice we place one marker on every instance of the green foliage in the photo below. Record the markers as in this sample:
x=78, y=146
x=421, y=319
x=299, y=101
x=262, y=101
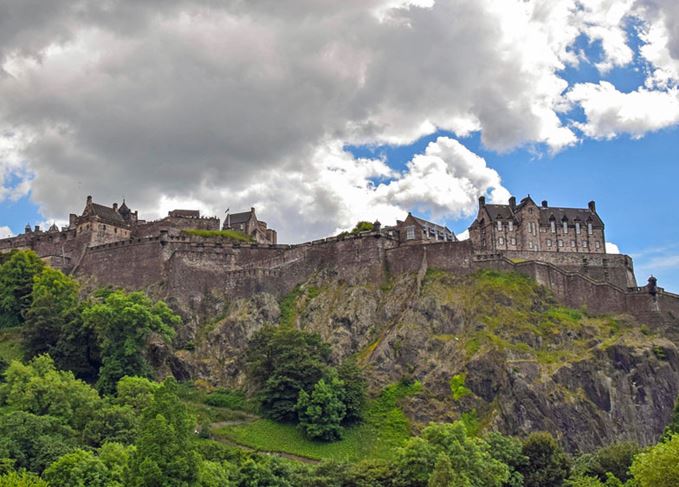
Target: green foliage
x=353, y=390
x=471, y=461
x=21, y=479
x=658, y=467
x=11, y=346
x=443, y=475
x=282, y=362
x=41, y=389
x=229, y=234
x=457, y=387
x=361, y=226
x=614, y=459
x=509, y=451
x=34, y=442
x=547, y=464
x=136, y=392
x=79, y=468
x=54, y=306
x=214, y=474
x=123, y=323
x=231, y=399
x=165, y=454
x=111, y=423
x=16, y=285
x=673, y=426
x=321, y=412
x=288, y=307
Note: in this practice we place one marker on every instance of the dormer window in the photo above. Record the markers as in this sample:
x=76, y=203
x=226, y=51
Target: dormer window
x=565, y=227
x=552, y=226
x=577, y=228
x=499, y=226
x=511, y=226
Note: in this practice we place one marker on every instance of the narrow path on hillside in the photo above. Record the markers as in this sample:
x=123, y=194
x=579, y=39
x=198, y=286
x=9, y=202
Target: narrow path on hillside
x=214, y=427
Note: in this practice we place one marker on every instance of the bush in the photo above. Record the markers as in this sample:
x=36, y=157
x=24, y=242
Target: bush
x=321, y=412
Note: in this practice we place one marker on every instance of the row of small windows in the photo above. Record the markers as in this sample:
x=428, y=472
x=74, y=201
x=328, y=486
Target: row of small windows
x=584, y=244
x=532, y=227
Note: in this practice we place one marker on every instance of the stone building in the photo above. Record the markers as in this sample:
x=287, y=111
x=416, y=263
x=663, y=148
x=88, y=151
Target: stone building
x=414, y=230
x=529, y=227
x=247, y=223
x=103, y=224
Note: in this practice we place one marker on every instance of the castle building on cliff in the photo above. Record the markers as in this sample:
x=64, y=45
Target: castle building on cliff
x=563, y=249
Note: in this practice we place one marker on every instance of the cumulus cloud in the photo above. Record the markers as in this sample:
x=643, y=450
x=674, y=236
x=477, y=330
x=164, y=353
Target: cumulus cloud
x=610, y=112
x=5, y=232
x=215, y=104
x=611, y=248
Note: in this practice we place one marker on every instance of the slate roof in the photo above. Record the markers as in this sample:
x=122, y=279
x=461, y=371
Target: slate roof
x=107, y=214
x=236, y=218
x=571, y=214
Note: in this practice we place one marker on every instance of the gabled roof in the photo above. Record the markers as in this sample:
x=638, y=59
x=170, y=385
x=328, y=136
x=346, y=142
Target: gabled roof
x=104, y=213
x=235, y=218
x=502, y=212
x=432, y=225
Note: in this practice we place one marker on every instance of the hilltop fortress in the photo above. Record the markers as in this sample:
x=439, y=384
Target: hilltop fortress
x=562, y=248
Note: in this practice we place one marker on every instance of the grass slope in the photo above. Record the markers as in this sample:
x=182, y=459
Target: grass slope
x=230, y=234
x=384, y=429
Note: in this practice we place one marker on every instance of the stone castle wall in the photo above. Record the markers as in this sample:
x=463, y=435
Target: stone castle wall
x=189, y=268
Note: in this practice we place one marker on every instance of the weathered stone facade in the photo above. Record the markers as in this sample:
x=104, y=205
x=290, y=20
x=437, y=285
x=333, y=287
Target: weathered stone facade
x=247, y=223
x=103, y=250
x=529, y=227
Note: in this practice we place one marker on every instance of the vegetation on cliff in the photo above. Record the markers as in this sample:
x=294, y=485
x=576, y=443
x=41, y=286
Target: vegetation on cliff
x=228, y=234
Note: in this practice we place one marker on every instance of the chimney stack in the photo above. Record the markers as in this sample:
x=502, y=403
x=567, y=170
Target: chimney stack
x=512, y=202
x=482, y=201
x=115, y=206
x=592, y=206
x=89, y=200
x=544, y=203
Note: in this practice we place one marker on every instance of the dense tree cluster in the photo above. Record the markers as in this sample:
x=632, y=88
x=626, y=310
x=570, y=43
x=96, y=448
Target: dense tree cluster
x=296, y=382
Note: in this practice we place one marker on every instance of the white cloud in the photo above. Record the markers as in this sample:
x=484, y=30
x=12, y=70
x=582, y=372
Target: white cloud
x=612, y=248
x=215, y=104
x=6, y=232
x=610, y=112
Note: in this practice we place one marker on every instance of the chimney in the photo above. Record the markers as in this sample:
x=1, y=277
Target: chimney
x=544, y=203
x=592, y=206
x=27, y=229
x=89, y=200
x=482, y=201
x=72, y=218
x=512, y=202
x=115, y=206
x=37, y=229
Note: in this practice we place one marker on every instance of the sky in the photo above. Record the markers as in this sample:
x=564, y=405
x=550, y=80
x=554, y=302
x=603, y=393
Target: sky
x=322, y=113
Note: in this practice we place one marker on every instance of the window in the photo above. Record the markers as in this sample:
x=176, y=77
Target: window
x=589, y=228
x=584, y=244
x=597, y=245
x=512, y=241
x=532, y=228
x=549, y=242
x=560, y=243
x=572, y=243
x=511, y=226
x=577, y=228
x=501, y=241
x=552, y=225
x=565, y=228
x=410, y=233
x=499, y=226
x=530, y=244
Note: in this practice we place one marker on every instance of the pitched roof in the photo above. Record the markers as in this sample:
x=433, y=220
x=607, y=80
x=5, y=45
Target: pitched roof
x=107, y=214
x=235, y=218
x=503, y=212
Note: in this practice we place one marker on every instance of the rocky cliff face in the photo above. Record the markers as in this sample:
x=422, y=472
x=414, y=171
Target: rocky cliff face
x=493, y=346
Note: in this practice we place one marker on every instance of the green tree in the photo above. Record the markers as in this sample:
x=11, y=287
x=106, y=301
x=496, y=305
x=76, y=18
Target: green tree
x=21, y=479
x=16, y=285
x=54, y=303
x=34, y=442
x=165, y=454
x=79, y=468
x=136, y=392
x=321, y=412
x=111, y=423
x=214, y=474
x=282, y=362
x=509, y=451
x=353, y=391
x=614, y=459
x=443, y=475
x=547, y=465
x=659, y=466
x=471, y=461
x=39, y=388
x=123, y=323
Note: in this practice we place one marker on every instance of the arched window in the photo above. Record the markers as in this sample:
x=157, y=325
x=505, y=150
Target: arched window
x=564, y=223
x=577, y=228
x=589, y=228
x=552, y=224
